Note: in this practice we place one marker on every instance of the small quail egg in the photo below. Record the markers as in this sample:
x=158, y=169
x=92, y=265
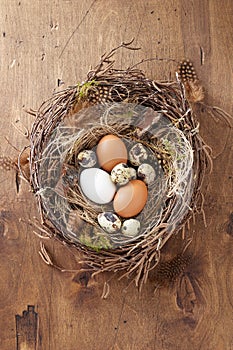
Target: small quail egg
x=138, y=154
x=87, y=158
x=109, y=222
x=146, y=173
x=133, y=174
x=120, y=174
x=131, y=227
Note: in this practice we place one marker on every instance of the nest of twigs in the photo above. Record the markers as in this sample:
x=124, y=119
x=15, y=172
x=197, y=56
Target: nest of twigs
x=127, y=104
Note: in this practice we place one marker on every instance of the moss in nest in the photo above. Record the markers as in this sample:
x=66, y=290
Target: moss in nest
x=83, y=88
x=105, y=84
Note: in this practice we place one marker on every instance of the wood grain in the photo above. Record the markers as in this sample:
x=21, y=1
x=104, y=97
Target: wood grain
x=44, y=43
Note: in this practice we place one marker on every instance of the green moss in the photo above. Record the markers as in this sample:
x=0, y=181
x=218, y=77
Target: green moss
x=82, y=89
x=96, y=243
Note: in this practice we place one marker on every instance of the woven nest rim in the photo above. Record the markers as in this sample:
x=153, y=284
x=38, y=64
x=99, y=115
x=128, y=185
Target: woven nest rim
x=138, y=259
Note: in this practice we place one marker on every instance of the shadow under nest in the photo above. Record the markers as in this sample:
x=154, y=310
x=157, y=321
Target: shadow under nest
x=106, y=86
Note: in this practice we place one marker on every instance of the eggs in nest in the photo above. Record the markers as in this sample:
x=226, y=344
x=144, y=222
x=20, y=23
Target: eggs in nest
x=96, y=185
x=130, y=199
x=111, y=151
x=120, y=177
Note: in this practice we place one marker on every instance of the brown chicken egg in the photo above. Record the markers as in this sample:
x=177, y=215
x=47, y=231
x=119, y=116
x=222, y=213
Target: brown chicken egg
x=111, y=151
x=130, y=199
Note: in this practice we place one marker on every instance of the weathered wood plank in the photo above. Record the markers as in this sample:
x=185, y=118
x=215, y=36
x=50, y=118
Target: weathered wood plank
x=45, y=42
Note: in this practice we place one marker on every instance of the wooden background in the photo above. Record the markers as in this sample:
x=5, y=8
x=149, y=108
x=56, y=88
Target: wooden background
x=44, y=42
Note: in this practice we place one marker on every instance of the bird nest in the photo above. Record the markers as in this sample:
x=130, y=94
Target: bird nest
x=126, y=104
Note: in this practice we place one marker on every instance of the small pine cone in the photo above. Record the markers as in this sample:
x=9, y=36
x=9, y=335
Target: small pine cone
x=188, y=76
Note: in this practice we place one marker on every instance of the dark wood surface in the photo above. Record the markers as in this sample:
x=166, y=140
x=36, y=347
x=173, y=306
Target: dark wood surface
x=42, y=42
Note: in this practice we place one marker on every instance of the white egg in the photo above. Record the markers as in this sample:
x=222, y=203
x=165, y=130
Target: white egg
x=109, y=222
x=87, y=158
x=131, y=227
x=133, y=174
x=96, y=185
x=120, y=174
x=137, y=154
x=146, y=173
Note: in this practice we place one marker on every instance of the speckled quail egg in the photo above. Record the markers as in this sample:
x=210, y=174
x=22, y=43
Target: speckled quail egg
x=146, y=173
x=131, y=227
x=87, y=158
x=137, y=154
x=110, y=222
x=120, y=174
x=133, y=174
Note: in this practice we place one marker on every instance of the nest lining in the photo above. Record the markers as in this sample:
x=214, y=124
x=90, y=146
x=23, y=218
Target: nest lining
x=107, y=85
x=67, y=141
